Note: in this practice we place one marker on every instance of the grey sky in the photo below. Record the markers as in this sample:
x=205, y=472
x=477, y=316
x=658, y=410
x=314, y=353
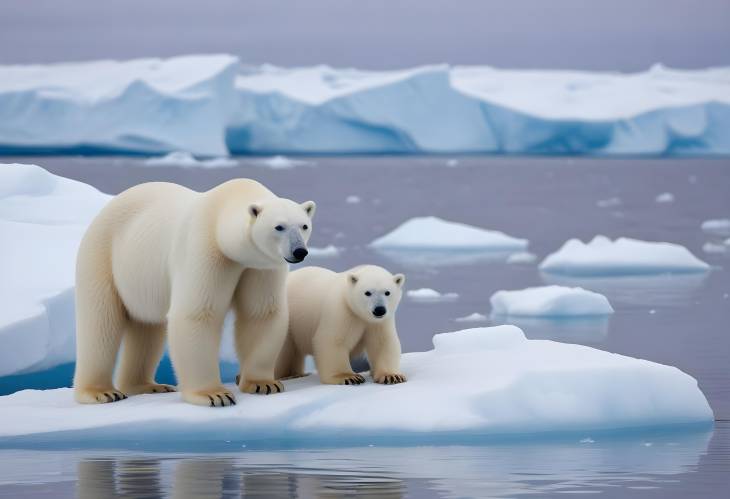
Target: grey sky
x=623, y=35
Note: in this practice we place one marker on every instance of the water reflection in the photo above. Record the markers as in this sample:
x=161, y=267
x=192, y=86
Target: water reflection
x=565, y=329
x=592, y=462
x=417, y=258
x=668, y=290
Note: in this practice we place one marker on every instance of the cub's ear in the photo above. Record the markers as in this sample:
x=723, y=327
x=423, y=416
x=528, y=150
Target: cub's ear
x=352, y=278
x=254, y=210
x=399, y=279
x=309, y=207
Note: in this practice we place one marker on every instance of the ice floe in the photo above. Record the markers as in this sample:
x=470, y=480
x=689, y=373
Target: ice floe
x=282, y=162
x=623, y=256
x=430, y=295
x=42, y=220
x=213, y=105
x=185, y=159
x=717, y=226
x=609, y=202
x=550, y=301
x=327, y=251
x=475, y=317
x=519, y=388
x=664, y=197
x=352, y=199
x=523, y=257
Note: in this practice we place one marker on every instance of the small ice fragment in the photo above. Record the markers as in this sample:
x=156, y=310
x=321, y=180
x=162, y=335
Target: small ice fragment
x=716, y=248
x=608, y=203
x=652, y=311
x=475, y=317
x=719, y=226
x=588, y=440
x=522, y=257
x=428, y=294
x=452, y=163
x=665, y=197
x=282, y=162
x=352, y=199
x=186, y=159
x=329, y=250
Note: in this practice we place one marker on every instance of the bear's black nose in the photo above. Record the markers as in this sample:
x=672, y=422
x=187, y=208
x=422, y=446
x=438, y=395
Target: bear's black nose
x=300, y=254
x=379, y=311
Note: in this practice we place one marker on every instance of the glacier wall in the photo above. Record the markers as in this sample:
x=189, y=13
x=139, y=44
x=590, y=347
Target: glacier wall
x=213, y=105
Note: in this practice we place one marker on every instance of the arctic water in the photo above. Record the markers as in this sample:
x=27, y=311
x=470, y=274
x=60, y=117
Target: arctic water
x=679, y=320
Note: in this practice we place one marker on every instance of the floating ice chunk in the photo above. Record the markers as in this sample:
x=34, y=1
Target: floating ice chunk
x=522, y=257
x=435, y=233
x=550, y=301
x=182, y=158
x=327, y=251
x=587, y=441
x=282, y=162
x=665, y=197
x=719, y=226
x=475, y=317
x=609, y=203
x=451, y=163
x=525, y=387
x=428, y=294
x=624, y=256
x=42, y=220
x=143, y=106
x=352, y=199
x=714, y=248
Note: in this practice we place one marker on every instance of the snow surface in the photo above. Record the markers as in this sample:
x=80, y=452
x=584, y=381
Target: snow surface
x=42, y=220
x=550, y=301
x=624, y=256
x=140, y=106
x=182, y=158
x=437, y=234
x=212, y=105
x=430, y=295
x=718, y=226
x=516, y=387
x=665, y=197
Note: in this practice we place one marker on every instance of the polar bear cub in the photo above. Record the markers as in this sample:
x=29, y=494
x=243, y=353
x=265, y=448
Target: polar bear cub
x=337, y=316
x=162, y=260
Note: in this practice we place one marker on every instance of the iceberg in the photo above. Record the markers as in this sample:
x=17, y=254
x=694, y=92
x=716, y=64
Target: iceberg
x=433, y=233
x=624, y=256
x=519, y=388
x=144, y=106
x=42, y=220
x=212, y=105
x=550, y=301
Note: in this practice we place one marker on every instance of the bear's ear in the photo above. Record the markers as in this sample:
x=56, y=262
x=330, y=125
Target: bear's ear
x=254, y=210
x=352, y=278
x=399, y=279
x=309, y=207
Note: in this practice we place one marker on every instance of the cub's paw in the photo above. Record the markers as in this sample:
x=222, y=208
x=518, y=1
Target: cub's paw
x=262, y=387
x=390, y=379
x=149, y=388
x=347, y=379
x=217, y=397
x=98, y=396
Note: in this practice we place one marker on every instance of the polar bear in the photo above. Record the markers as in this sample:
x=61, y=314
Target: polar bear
x=161, y=258
x=335, y=316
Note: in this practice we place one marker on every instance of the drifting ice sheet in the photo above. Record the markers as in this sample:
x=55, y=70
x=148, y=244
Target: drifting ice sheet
x=432, y=233
x=624, y=256
x=210, y=105
x=550, y=301
x=518, y=386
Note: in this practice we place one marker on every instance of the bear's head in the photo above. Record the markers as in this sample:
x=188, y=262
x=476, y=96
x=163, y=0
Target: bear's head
x=280, y=228
x=373, y=292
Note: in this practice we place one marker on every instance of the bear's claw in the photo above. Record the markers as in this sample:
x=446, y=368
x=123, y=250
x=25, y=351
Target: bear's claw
x=90, y=396
x=262, y=387
x=350, y=379
x=149, y=388
x=390, y=379
x=213, y=398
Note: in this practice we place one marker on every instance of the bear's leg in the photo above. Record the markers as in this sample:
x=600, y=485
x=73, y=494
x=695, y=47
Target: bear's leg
x=100, y=320
x=333, y=364
x=258, y=344
x=142, y=348
x=290, y=363
x=194, y=345
x=383, y=349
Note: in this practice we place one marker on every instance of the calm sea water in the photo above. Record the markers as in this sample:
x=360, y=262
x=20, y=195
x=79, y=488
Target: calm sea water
x=681, y=321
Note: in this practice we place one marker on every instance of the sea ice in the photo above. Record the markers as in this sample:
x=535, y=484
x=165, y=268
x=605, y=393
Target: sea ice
x=185, y=159
x=282, y=162
x=624, y=256
x=430, y=295
x=719, y=226
x=520, y=388
x=665, y=197
x=550, y=301
x=327, y=251
x=522, y=257
x=475, y=317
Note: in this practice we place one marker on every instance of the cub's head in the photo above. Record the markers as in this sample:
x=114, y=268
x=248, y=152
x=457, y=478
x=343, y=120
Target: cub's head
x=280, y=228
x=373, y=292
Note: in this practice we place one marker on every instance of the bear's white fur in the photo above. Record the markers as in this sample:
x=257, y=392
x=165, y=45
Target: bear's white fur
x=332, y=316
x=161, y=258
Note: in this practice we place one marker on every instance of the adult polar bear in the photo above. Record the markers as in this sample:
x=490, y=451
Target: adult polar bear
x=160, y=257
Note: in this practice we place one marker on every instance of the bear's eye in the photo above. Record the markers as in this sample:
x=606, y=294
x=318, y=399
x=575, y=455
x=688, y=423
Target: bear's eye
x=387, y=293
x=279, y=228
x=305, y=227
x=368, y=293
